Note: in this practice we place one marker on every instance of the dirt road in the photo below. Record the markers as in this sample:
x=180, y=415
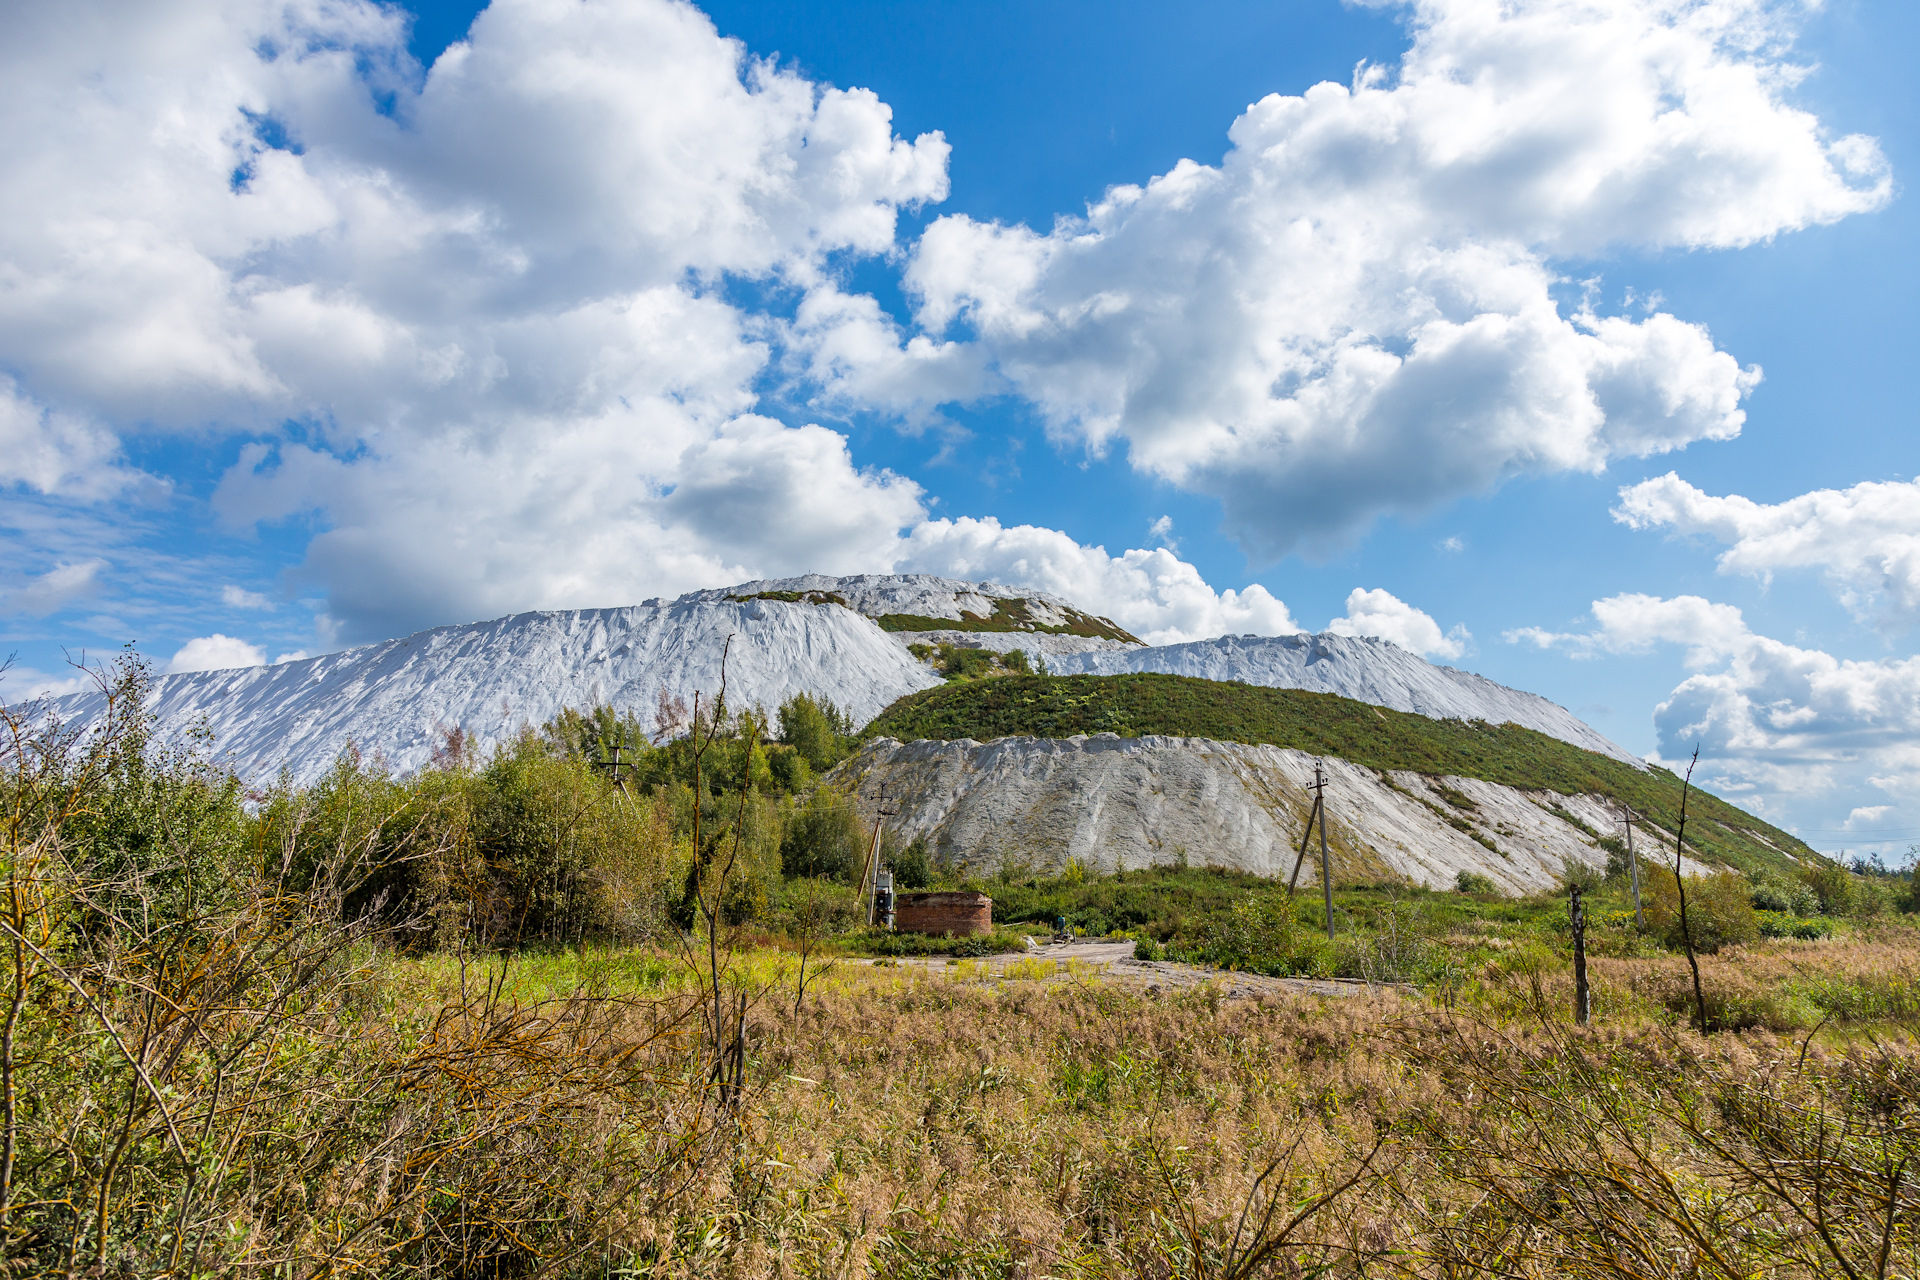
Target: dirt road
x=1114, y=961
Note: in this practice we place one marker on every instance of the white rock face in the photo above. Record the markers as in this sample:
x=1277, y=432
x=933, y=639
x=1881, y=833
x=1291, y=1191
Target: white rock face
x=398, y=697
x=1356, y=667
x=1119, y=803
x=491, y=678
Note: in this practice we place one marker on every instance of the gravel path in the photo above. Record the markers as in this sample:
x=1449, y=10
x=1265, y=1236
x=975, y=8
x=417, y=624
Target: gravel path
x=1114, y=960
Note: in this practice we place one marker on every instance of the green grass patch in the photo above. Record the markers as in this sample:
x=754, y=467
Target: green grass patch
x=1326, y=725
x=878, y=942
x=1008, y=615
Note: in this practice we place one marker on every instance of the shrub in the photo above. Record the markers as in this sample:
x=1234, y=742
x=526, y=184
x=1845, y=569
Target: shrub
x=1719, y=911
x=1784, y=897
x=1584, y=876
x=1832, y=884
x=1778, y=924
x=1473, y=882
x=913, y=865
x=823, y=837
x=1148, y=949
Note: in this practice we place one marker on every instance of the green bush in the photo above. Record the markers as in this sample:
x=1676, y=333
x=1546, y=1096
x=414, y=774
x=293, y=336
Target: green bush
x=1719, y=911
x=1473, y=882
x=880, y=942
x=913, y=865
x=823, y=837
x=1575, y=873
x=1779, y=924
x=1832, y=884
x=1784, y=897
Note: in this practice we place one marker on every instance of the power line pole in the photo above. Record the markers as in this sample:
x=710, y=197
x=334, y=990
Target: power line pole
x=1326, y=866
x=1633, y=869
x=1300, y=860
x=869, y=870
x=1577, y=918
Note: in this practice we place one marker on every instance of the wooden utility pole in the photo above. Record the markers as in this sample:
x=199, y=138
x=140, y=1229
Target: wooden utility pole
x=1326, y=866
x=1633, y=869
x=1577, y=916
x=1300, y=860
x=870, y=868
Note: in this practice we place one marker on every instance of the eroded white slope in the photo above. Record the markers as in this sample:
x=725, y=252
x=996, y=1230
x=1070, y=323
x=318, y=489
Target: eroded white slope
x=1360, y=668
x=1114, y=803
x=490, y=678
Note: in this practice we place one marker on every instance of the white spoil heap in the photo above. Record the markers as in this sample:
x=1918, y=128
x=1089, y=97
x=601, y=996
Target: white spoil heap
x=397, y=699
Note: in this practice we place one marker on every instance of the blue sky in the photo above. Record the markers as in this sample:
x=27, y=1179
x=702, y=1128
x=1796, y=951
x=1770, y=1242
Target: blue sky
x=362, y=338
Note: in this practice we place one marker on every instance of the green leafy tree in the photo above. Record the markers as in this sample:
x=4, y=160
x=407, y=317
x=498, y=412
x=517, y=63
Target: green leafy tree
x=817, y=730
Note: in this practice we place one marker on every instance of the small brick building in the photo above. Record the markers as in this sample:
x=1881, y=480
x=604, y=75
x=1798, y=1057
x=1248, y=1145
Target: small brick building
x=960, y=913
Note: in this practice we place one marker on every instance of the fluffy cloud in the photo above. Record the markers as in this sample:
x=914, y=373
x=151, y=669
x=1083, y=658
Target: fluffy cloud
x=1781, y=723
x=1354, y=312
x=53, y=590
x=1153, y=594
x=1381, y=614
x=486, y=292
x=215, y=653
x=1865, y=540
x=55, y=453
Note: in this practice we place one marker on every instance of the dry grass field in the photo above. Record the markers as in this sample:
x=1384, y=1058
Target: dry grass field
x=915, y=1122
x=363, y=1031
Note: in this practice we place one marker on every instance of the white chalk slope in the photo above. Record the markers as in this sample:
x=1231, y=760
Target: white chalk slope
x=1114, y=803
x=1356, y=667
x=490, y=678
x=397, y=698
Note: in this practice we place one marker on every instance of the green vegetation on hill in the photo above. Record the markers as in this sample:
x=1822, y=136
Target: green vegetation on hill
x=1008, y=615
x=1323, y=724
x=797, y=597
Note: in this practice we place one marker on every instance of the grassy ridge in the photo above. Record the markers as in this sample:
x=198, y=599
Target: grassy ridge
x=1009, y=615
x=1326, y=725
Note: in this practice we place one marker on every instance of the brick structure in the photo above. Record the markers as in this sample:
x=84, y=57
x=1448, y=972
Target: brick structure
x=961, y=914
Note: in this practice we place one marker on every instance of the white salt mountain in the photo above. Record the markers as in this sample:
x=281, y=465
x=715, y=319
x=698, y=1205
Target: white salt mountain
x=398, y=699
x=814, y=634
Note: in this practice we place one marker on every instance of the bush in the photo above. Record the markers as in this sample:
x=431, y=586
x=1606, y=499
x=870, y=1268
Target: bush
x=1719, y=911
x=823, y=838
x=879, y=942
x=1584, y=876
x=1473, y=882
x=1784, y=897
x=1148, y=949
x=913, y=866
x=1778, y=924
x=1832, y=884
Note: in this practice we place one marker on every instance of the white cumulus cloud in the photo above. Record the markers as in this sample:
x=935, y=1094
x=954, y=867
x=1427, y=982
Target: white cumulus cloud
x=1152, y=593
x=1355, y=311
x=493, y=306
x=1865, y=540
x=1383, y=615
x=1788, y=727
x=215, y=653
